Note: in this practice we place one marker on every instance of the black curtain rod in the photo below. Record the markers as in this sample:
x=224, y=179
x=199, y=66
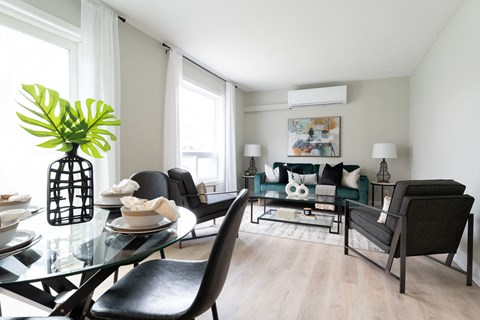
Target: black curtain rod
x=122, y=19
x=196, y=63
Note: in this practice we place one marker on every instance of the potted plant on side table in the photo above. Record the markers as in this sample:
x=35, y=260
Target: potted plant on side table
x=67, y=127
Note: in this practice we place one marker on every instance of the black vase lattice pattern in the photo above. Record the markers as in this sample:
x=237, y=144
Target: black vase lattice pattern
x=70, y=190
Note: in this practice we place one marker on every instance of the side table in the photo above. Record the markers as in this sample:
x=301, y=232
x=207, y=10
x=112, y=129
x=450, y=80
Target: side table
x=247, y=180
x=382, y=185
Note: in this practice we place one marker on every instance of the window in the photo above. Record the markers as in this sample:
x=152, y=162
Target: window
x=29, y=54
x=202, y=128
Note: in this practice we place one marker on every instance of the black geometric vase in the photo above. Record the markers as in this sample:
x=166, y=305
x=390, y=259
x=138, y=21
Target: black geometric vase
x=70, y=190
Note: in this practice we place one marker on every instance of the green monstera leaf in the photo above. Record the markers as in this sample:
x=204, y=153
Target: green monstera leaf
x=64, y=125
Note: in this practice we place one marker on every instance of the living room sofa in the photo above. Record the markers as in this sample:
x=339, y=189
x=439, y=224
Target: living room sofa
x=360, y=194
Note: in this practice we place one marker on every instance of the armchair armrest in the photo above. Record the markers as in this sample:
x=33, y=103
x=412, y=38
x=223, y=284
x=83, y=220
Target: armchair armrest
x=258, y=180
x=209, y=193
x=363, y=186
x=359, y=204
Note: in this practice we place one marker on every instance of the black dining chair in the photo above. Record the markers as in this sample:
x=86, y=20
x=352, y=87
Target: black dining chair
x=175, y=289
x=153, y=184
x=35, y=318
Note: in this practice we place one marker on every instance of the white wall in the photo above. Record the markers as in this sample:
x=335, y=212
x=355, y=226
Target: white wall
x=445, y=108
x=377, y=111
x=143, y=71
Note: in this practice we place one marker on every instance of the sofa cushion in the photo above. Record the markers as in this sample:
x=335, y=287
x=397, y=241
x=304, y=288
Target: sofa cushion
x=350, y=179
x=272, y=175
x=332, y=175
x=306, y=168
x=302, y=178
x=283, y=173
x=347, y=193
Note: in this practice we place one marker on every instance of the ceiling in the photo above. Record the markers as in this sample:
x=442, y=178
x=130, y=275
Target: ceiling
x=274, y=44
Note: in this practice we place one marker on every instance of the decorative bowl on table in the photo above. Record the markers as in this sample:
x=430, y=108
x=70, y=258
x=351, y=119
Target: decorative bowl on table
x=8, y=205
x=141, y=218
x=113, y=198
x=7, y=231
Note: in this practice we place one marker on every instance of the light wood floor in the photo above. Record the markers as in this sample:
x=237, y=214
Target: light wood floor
x=274, y=278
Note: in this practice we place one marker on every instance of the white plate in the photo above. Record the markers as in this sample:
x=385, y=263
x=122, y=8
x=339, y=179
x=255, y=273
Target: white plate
x=103, y=205
x=20, y=239
x=120, y=226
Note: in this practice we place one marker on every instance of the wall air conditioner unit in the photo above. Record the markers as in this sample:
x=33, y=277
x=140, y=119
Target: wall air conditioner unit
x=317, y=96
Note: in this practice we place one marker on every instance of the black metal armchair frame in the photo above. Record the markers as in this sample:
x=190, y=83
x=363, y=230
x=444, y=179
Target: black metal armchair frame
x=398, y=246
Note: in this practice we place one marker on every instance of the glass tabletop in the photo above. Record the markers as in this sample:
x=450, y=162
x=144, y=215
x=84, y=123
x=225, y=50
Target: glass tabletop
x=77, y=248
x=276, y=195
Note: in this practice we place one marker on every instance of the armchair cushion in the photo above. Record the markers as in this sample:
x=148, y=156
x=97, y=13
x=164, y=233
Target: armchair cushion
x=364, y=220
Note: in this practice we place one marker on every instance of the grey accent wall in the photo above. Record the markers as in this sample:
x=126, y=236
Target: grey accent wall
x=445, y=96
x=377, y=111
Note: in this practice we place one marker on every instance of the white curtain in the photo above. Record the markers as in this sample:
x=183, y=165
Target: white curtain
x=171, y=136
x=100, y=79
x=230, y=145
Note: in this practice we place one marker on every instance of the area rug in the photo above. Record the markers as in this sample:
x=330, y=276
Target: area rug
x=301, y=232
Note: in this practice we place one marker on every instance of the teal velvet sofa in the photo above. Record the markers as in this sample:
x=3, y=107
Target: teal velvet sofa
x=360, y=194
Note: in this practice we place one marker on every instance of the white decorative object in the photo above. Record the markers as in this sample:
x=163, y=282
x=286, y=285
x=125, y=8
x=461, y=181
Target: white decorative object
x=289, y=186
x=302, y=191
x=286, y=213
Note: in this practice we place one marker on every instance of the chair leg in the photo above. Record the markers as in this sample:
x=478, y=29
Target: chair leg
x=403, y=254
x=347, y=228
x=214, y=311
x=162, y=254
x=470, y=250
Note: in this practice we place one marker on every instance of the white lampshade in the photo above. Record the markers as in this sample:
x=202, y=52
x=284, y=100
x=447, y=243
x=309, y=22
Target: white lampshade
x=384, y=151
x=252, y=150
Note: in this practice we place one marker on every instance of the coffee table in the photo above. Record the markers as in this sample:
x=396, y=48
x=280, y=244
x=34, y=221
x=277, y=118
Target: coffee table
x=324, y=219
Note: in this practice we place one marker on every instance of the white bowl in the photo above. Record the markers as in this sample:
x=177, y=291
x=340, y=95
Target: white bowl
x=8, y=205
x=139, y=219
x=114, y=198
x=7, y=231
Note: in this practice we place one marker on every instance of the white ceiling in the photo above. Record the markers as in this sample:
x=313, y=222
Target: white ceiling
x=273, y=44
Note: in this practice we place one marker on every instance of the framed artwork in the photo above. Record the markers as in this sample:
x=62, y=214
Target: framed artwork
x=314, y=137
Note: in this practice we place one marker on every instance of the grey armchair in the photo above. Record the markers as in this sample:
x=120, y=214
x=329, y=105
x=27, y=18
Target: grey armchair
x=425, y=217
x=217, y=202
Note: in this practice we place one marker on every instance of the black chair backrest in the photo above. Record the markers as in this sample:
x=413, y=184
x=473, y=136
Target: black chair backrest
x=436, y=187
x=435, y=224
x=186, y=186
x=153, y=184
x=220, y=257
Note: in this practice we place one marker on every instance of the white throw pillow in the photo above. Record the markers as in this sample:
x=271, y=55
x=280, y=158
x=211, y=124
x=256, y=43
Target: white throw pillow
x=201, y=190
x=386, y=206
x=350, y=179
x=298, y=178
x=272, y=175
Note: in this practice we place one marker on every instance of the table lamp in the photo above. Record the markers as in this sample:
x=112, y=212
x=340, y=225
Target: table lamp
x=384, y=151
x=252, y=150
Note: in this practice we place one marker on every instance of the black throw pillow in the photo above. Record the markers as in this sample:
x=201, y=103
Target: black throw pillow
x=332, y=175
x=283, y=174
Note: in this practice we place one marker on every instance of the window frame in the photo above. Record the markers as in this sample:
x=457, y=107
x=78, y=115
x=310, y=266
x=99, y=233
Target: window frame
x=217, y=155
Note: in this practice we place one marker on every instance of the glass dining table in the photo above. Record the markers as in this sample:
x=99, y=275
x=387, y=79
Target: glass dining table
x=38, y=271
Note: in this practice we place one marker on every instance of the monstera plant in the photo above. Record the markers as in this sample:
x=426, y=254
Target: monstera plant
x=65, y=125
x=68, y=127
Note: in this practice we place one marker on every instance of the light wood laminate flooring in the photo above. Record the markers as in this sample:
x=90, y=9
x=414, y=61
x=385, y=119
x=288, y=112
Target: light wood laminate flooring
x=276, y=278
